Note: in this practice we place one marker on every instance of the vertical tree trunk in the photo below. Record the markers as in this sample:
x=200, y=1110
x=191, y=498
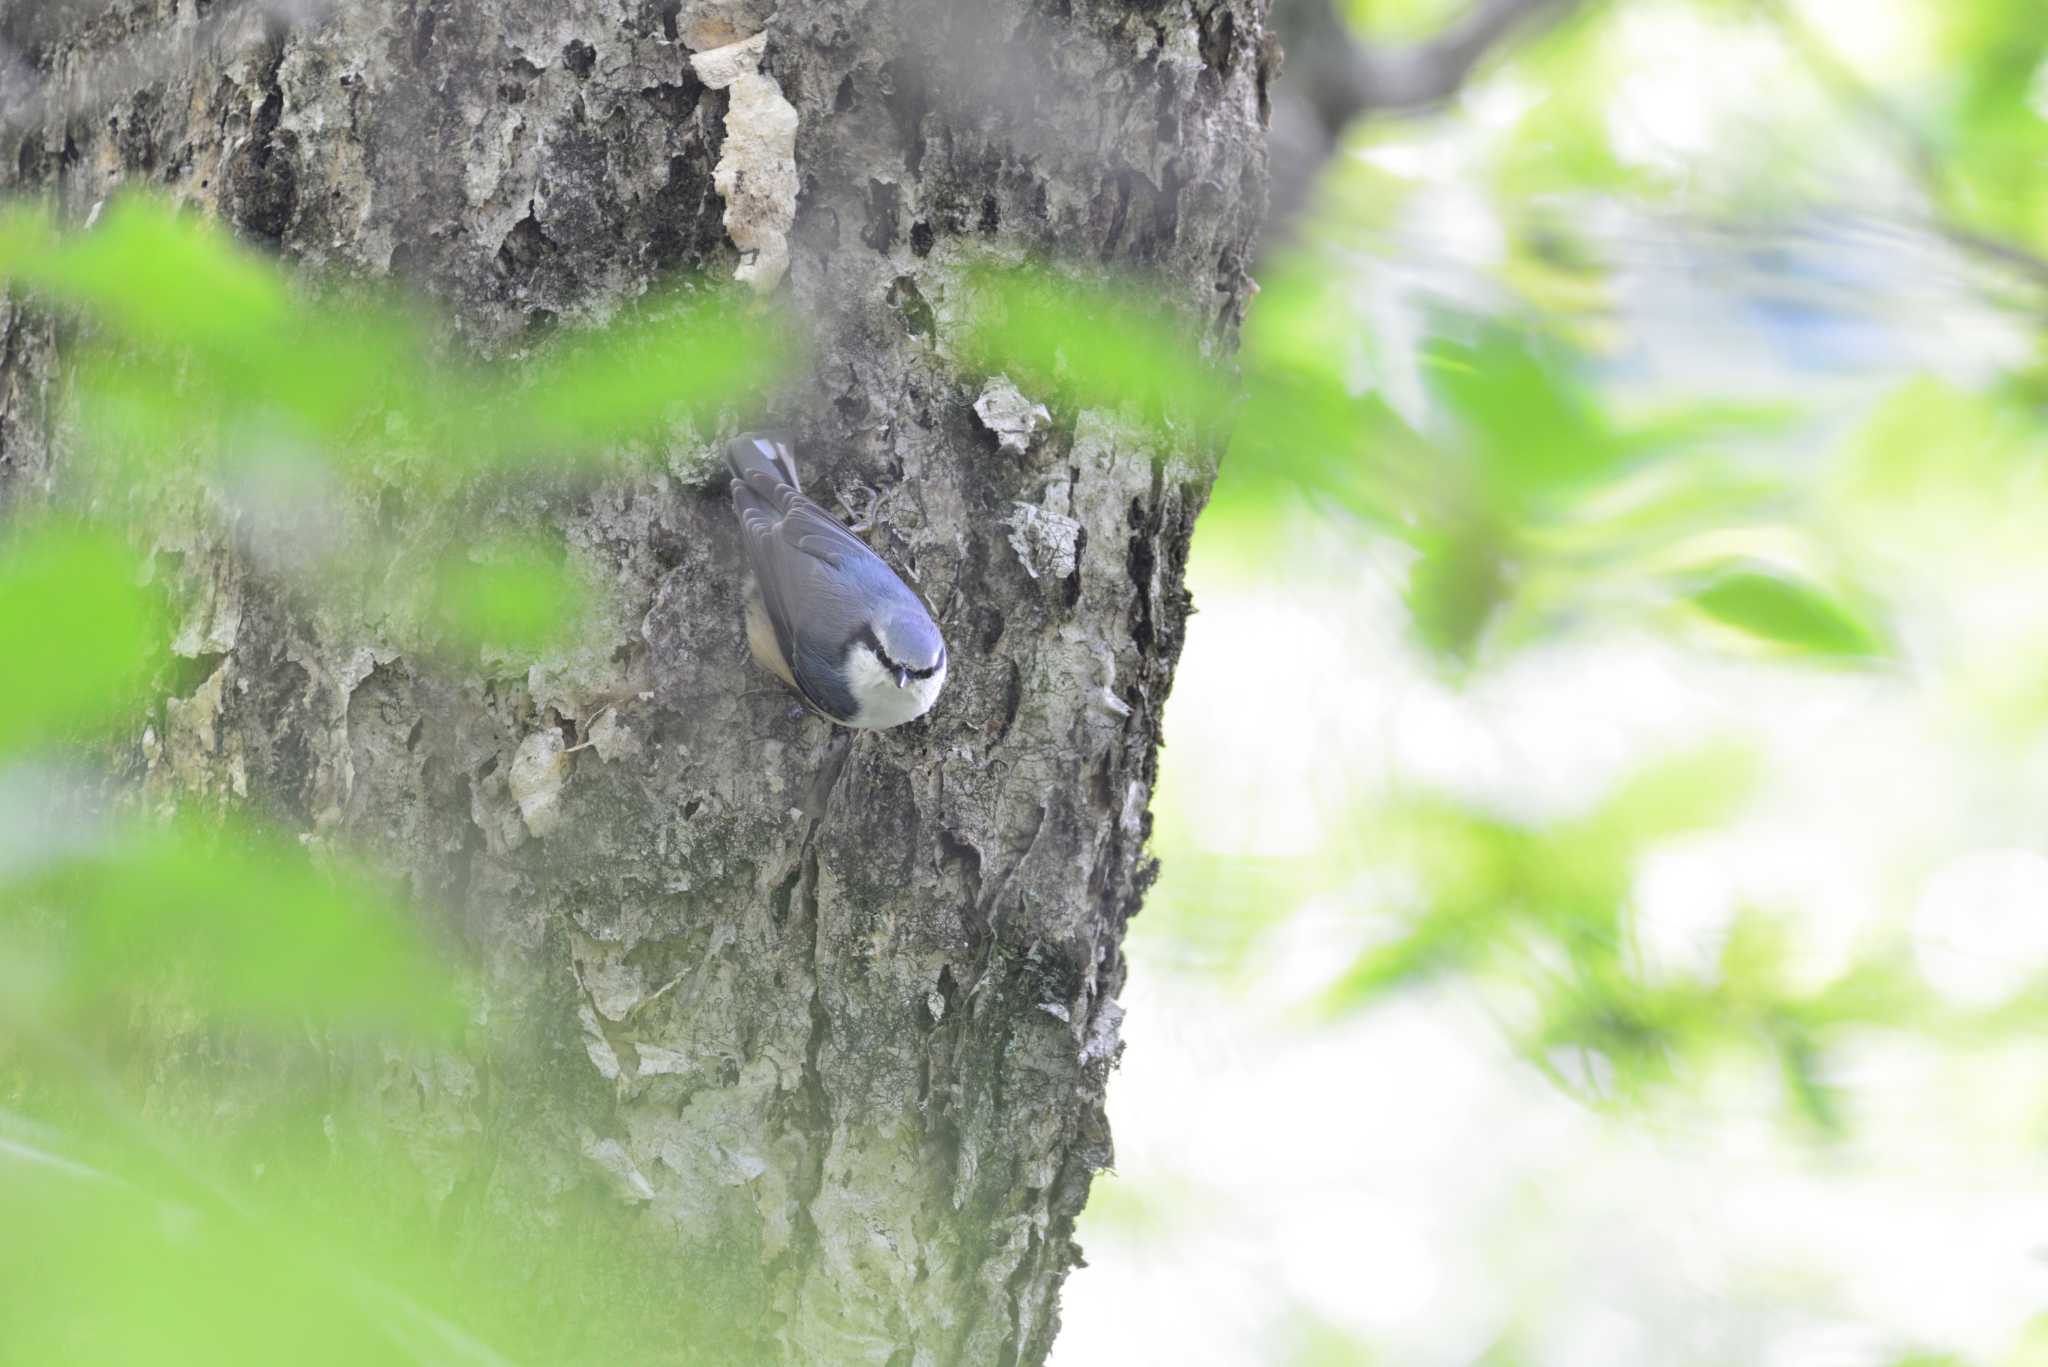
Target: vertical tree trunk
x=830, y=1020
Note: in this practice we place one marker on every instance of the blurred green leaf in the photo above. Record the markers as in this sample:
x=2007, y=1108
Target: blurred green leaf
x=1094, y=346
x=205, y=354
x=80, y=634
x=1535, y=430
x=1546, y=907
x=97, y=1269
x=517, y=596
x=243, y=921
x=1774, y=607
x=677, y=353
x=162, y=276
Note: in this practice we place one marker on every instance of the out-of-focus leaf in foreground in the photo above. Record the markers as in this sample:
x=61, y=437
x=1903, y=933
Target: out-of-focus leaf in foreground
x=79, y=634
x=1484, y=880
x=1096, y=346
x=1774, y=607
x=101, y=1268
x=209, y=353
x=510, y=595
x=244, y=922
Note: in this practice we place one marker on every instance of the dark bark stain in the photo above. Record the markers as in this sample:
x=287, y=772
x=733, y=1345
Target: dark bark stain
x=262, y=176
x=525, y=247
x=675, y=101
x=909, y=303
x=909, y=99
x=1218, y=41
x=884, y=210
x=1140, y=564
x=958, y=857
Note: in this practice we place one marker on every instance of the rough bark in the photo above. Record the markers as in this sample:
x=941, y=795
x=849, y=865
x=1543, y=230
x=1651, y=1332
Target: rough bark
x=820, y=1029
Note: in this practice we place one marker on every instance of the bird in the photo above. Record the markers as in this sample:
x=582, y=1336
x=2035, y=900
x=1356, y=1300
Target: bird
x=825, y=614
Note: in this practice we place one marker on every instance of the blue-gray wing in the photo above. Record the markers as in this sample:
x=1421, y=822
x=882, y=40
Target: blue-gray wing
x=813, y=575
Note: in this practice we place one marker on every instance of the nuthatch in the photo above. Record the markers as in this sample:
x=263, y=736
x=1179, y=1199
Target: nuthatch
x=824, y=613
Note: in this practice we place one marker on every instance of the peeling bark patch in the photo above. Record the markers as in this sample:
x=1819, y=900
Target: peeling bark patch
x=756, y=172
x=1009, y=415
x=535, y=780
x=1047, y=543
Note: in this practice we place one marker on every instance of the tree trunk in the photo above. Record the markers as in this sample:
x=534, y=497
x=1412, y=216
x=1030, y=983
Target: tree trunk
x=822, y=1023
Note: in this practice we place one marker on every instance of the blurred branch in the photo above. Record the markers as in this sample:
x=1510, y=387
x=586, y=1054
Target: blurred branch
x=1344, y=77
x=1332, y=77
x=1920, y=152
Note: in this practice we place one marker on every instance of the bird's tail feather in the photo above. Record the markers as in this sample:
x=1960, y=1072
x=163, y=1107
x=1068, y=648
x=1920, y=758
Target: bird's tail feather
x=752, y=453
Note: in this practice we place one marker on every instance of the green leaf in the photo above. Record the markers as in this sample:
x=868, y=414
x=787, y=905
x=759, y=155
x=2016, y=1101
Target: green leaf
x=515, y=595
x=1095, y=346
x=1535, y=431
x=1785, y=611
x=80, y=636
x=241, y=920
x=162, y=276
x=678, y=354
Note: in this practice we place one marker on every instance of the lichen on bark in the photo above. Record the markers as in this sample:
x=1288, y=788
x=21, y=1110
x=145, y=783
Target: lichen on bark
x=817, y=1027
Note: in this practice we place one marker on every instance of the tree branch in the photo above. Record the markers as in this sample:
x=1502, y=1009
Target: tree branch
x=1346, y=77
x=1332, y=78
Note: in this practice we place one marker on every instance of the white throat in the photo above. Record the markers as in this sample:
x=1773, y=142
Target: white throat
x=881, y=702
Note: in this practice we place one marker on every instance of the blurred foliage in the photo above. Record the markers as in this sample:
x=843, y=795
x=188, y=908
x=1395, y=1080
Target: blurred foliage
x=205, y=350
x=349, y=433
x=1444, y=362
x=1703, y=336
x=1088, y=344
x=79, y=632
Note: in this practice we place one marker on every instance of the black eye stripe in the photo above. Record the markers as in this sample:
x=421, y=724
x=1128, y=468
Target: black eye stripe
x=866, y=636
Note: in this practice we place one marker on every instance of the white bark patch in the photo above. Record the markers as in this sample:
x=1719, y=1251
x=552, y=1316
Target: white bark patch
x=756, y=172
x=214, y=622
x=602, y=1056
x=612, y=738
x=614, y=985
x=655, y=1059
x=1105, y=1034
x=1047, y=543
x=611, y=1158
x=536, y=780
x=1014, y=419
x=1133, y=818
x=714, y=23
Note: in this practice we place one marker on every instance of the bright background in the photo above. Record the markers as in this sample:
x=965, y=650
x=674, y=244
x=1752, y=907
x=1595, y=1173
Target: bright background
x=1742, y=1066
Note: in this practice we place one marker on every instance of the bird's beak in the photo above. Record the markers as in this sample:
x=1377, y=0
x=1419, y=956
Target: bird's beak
x=903, y=678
